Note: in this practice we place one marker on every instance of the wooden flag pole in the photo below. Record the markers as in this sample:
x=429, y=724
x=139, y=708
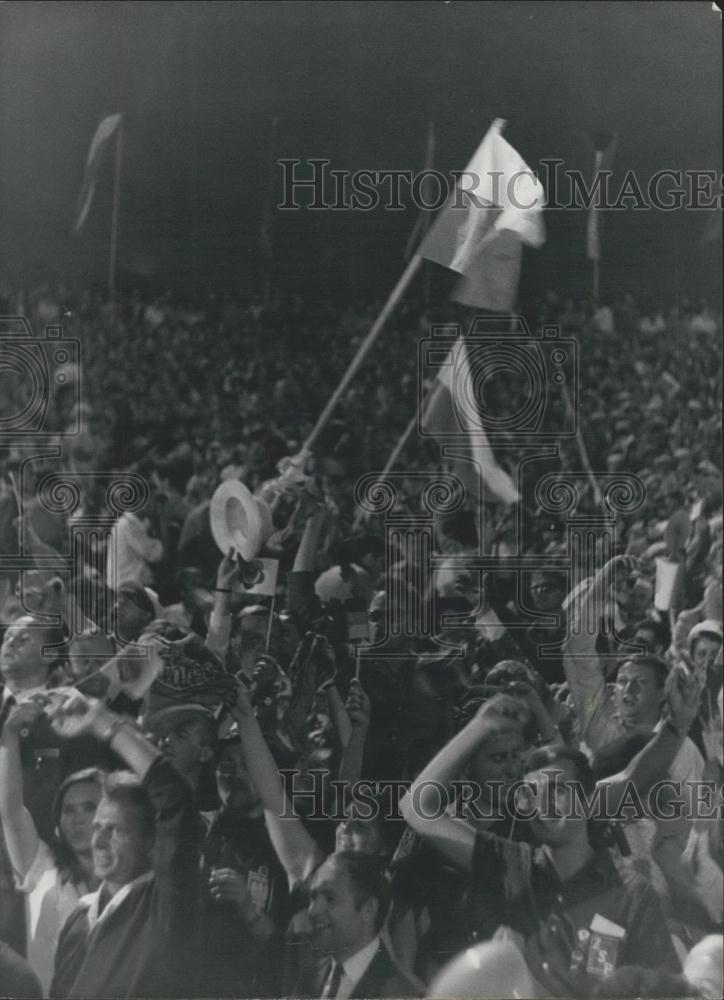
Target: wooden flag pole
x=364, y=515
x=364, y=349
x=113, y=256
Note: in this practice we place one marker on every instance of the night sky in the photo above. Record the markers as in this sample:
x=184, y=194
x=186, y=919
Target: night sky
x=198, y=84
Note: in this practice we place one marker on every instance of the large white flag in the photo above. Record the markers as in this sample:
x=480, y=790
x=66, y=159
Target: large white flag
x=496, y=207
x=100, y=143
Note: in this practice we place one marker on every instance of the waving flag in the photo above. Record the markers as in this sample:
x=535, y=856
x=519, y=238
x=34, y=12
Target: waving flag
x=439, y=418
x=99, y=146
x=496, y=208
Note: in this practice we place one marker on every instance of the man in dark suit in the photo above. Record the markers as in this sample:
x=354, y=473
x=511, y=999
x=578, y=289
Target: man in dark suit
x=349, y=900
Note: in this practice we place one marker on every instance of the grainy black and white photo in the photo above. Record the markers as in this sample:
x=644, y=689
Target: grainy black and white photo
x=361, y=499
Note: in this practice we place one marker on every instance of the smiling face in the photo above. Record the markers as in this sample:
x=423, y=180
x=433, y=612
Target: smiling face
x=637, y=695
x=560, y=817
x=340, y=926
x=77, y=813
x=120, y=851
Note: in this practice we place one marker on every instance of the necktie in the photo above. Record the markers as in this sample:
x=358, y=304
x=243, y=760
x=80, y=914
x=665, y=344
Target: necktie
x=333, y=982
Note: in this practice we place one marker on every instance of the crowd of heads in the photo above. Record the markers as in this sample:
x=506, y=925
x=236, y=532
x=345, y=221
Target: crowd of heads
x=363, y=669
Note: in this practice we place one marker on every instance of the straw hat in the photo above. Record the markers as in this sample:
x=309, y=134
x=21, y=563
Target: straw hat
x=239, y=520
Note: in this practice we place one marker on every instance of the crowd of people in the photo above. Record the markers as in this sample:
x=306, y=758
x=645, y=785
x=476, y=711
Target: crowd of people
x=208, y=788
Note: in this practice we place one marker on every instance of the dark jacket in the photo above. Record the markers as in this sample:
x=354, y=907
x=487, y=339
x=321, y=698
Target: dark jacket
x=148, y=946
x=383, y=978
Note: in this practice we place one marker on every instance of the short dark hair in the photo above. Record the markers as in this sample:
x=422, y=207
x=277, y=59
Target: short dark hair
x=127, y=790
x=660, y=667
x=369, y=881
x=557, y=753
x=661, y=630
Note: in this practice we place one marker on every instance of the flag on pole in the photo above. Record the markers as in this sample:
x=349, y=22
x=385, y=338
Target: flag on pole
x=449, y=396
x=604, y=145
x=100, y=143
x=497, y=206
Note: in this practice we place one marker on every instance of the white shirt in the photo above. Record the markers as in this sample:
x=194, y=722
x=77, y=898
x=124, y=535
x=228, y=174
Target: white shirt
x=130, y=550
x=355, y=967
x=49, y=901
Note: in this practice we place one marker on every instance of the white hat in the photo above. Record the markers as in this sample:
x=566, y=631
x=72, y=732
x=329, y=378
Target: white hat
x=239, y=520
x=493, y=969
x=708, y=627
x=703, y=966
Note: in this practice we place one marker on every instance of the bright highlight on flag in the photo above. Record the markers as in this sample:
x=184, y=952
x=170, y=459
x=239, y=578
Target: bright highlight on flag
x=496, y=207
x=440, y=418
x=100, y=144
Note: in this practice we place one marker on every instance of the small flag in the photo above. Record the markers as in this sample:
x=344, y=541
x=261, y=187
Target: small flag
x=261, y=578
x=451, y=396
x=496, y=207
x=100, y=143
x=605, y=146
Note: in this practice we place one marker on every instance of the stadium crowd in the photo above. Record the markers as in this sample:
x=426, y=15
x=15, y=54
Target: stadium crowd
x=206, y=791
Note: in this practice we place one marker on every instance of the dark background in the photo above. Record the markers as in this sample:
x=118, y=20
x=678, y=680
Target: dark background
x=198, y=84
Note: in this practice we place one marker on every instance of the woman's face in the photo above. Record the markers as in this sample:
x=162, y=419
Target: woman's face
x=77, y=813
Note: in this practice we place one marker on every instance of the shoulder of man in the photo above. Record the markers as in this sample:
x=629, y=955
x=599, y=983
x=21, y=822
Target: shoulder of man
x=385, y=978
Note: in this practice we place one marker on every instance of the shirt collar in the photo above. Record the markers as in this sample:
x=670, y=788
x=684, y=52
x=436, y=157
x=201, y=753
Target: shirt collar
x=356, y=966
x=23, y=695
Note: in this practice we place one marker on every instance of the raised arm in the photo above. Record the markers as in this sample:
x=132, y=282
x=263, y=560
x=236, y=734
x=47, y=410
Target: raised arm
x=357, y=711
x=21, y=837
x=73, y=714
x=655, y=759
x=580, y=661
x=295, y=848
x=219, y=631
x=451, y=836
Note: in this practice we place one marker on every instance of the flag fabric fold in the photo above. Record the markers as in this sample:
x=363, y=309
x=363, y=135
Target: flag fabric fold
x=100, y=143
x=496, y=208
x=473, y=458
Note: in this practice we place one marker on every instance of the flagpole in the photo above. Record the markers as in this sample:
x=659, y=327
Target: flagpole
x=389, y=306
x=113, y=256
x=583, y=452
x=363, y=515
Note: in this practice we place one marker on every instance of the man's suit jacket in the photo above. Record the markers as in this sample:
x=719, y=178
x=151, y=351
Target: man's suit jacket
x=383, y=978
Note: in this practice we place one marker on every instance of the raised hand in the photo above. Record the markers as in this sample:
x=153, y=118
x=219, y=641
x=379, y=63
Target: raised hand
x=683, y=694
x=358, y=706
x=72, y=713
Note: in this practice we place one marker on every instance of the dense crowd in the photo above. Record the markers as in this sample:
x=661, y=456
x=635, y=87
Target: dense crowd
x=368, y=780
